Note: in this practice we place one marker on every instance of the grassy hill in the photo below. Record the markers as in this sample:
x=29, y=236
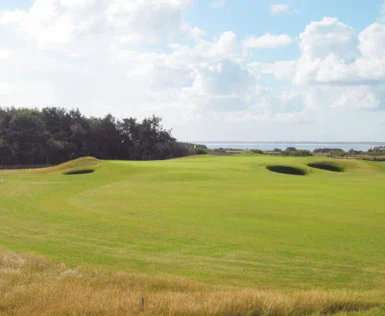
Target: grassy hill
x=227, y=222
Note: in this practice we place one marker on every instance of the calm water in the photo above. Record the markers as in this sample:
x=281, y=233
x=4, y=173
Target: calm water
x=284, y=145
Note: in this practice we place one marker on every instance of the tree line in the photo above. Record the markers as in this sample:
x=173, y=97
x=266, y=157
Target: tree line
x=53, y=135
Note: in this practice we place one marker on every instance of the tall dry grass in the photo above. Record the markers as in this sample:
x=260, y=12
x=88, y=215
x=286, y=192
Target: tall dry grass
x=30, y=285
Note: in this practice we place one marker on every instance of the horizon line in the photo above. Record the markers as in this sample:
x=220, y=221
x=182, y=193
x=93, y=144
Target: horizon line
x=289, y=141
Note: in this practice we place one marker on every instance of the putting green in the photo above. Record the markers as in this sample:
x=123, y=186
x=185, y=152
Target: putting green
x=223, y=220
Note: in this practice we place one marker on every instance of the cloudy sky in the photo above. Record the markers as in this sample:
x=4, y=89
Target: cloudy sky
x=245, y=70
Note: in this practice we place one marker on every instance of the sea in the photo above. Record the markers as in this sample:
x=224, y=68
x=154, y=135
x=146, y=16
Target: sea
x=363, y=146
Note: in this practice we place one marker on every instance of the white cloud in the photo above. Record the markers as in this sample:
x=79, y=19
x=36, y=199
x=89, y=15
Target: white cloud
x=337, y=68
x=372, y=41
x=279, y=9
x=280, y=70
x=361, y=97
x=224, y=78
x=299, y=118
x=193, y=31
x=55, y=22
x=65, y=45
x=5, y=53
x=206, y=52
x=218, y=80
x=350, y=67
x=333, y=53
x=9, y=17
x=326, y=37
x=268, y=41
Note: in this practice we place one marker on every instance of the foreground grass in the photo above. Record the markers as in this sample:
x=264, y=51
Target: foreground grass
x=32, y=286
x=227, y=222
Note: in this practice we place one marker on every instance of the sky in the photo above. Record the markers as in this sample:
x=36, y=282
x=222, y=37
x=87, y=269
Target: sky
x=214, y=70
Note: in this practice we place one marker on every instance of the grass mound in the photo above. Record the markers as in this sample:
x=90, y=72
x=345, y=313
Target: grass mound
x=287, y=170
x=327, y=165
x=82, y=165
x=78, y=172
x=76, y=164
x=85, y=165
x=33, y=286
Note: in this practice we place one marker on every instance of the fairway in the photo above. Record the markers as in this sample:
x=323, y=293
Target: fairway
x=226, y=221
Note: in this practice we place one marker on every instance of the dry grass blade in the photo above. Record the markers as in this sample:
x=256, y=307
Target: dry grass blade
x=29, y=285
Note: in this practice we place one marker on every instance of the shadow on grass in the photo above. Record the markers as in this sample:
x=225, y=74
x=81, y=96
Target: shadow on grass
x=329, y=166
x=78, y=172
x=287, y=170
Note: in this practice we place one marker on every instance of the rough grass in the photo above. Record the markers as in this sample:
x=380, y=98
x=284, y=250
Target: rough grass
x=327, y=165
x=295, y=171
x=29, y=285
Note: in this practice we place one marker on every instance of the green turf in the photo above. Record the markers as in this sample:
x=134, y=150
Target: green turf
x=222, y=220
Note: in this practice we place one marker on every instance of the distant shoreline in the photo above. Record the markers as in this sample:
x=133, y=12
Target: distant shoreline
x=264, y=145
x=284, y=141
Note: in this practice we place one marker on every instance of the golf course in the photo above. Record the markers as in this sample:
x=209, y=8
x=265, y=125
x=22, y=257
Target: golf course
x=289, y=225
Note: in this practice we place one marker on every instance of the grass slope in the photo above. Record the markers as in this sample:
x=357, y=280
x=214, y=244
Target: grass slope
x=225, y=221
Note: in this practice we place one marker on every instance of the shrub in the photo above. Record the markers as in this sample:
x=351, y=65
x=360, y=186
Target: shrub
x=257, y=151
x=379, y=148
x=355, y=152
x=377, y=153
x=301, y=153
x=337, y=153
x=327, y=150
x=200, y=151
x=290, y=149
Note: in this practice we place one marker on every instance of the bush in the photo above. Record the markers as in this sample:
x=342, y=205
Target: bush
x=201, y=151
x=301, y=153
x=337, y=154
x=257, y=151
x=355, y=152
x=379, y=148
x=327, y=150
x=290, y=149
x=376, y=153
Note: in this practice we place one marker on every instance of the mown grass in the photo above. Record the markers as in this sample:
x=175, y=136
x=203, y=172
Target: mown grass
x=227, y=222
x=32, y=286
